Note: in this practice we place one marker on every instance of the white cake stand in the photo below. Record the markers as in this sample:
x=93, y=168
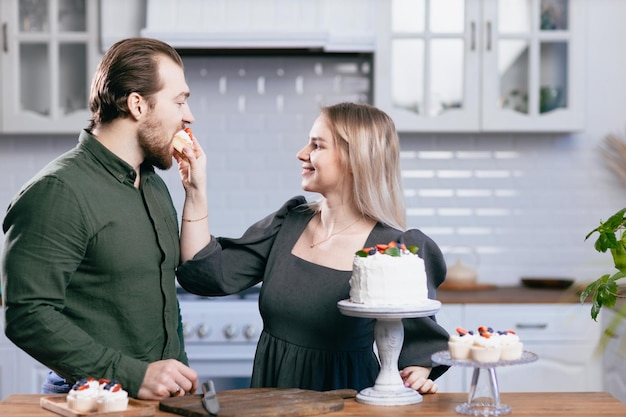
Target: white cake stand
x=389, y=388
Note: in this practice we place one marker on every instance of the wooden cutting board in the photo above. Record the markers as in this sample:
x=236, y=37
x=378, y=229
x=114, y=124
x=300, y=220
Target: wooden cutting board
x=262, y=402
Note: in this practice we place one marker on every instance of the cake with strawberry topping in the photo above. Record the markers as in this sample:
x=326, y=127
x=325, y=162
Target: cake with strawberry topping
x=388, y=275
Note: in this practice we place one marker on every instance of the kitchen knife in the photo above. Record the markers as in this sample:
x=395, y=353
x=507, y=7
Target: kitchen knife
x=209, y=399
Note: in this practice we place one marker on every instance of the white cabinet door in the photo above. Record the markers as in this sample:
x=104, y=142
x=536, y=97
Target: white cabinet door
x=8, y=366
x=481, y=65
x=48, y=58
x=427, y=64
x=614, y=355
x=533, y=65
x=19, y=373
x=450, y=316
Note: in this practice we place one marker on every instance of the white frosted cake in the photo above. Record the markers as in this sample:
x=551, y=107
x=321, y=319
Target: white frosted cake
x=389, y=275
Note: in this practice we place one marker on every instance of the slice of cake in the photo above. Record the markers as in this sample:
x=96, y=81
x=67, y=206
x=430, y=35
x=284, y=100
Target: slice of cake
x=390, y=275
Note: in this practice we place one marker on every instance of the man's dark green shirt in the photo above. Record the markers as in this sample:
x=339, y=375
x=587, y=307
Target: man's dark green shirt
x=88, y=268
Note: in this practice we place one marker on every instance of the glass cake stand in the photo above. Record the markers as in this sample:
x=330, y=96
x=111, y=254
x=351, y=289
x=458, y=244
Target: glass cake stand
x=389, y=388
x=484, y=395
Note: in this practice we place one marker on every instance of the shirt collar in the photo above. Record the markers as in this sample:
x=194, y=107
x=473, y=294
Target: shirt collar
x=117, y=167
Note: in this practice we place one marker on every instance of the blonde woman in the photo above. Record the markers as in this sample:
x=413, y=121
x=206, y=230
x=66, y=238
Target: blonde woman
x=303, y=253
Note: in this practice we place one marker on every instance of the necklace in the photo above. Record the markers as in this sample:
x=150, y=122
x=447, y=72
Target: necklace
x=314, y=244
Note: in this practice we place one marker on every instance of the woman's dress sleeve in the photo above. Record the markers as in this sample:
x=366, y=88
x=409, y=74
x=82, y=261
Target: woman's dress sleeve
x=227, y=266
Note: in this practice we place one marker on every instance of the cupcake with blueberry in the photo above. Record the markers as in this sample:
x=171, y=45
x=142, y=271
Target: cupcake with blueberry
x=486, y=347
x=511, y=346
x=112, y=397
x=83, y=395
x=459, y=344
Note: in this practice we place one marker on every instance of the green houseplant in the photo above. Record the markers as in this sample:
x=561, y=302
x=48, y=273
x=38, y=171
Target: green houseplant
x=604, y=291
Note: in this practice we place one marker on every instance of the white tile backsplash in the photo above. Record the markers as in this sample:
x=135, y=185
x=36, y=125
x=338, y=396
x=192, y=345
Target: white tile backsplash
x=512, y=204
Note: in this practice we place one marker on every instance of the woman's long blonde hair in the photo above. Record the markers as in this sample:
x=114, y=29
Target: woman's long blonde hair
x=370, y=150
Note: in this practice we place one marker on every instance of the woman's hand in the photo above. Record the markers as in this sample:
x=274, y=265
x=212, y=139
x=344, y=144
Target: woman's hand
x=416, y=377
x=192, y=166
x=194, y=231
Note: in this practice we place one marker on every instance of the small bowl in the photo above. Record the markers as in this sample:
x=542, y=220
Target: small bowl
x=551, y=283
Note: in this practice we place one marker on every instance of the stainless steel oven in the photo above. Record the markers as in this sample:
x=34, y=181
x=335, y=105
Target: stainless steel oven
x=221, y=335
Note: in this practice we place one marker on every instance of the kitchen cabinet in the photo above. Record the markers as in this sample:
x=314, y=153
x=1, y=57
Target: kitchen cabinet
x=19, y=373
x=8, y=361
x=614, y=355
x=481, y=65
x=562, y=335
x=49, y=52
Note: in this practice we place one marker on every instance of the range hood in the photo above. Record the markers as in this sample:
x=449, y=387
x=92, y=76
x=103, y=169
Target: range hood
x=316, y=25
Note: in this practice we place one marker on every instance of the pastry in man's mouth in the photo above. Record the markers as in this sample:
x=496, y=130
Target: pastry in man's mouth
x=182, y=138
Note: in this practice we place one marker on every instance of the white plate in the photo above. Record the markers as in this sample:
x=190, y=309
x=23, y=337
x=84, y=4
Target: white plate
x=424, y=309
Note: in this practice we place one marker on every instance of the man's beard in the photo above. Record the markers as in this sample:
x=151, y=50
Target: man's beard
x=157, y=152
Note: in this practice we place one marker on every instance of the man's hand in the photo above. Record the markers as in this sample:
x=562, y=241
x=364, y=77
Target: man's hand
x=167, y=378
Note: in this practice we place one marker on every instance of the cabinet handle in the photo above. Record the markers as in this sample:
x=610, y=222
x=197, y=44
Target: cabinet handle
x=473, y=36
x=5, y=41
x=531, y=325
x=489, y=35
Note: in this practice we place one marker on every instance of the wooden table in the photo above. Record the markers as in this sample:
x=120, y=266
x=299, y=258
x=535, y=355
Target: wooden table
x=570, y=404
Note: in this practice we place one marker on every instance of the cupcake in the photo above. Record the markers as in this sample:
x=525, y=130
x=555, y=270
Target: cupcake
x=83, y=395
x=486, y=347
x=112, y=397
x=511, y=346
x=459, y=344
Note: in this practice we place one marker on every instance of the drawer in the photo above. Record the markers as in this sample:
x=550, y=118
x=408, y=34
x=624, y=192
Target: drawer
x=536, y=322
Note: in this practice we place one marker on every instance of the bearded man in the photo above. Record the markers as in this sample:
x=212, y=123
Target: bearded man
x=92, y=242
